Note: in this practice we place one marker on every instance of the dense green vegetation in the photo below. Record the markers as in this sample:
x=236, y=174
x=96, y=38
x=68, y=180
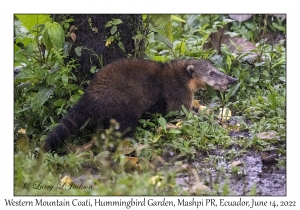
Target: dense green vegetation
x=47, y=87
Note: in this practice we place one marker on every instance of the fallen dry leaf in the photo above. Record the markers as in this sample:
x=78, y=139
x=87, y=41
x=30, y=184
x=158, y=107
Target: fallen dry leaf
x=72, y=27
x=67, y=180
x=22, y=130
x=224, y=115
x=196, y=104
x=236, y=163
x=73, y=36
x=132, y=164
x=200, y=189
x=267, y=135
x=125, y=147
x=83, y=148
x=202, y=108
x=156, y=180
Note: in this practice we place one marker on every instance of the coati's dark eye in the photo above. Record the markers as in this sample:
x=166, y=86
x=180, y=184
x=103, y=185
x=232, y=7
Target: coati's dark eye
x=211, y=74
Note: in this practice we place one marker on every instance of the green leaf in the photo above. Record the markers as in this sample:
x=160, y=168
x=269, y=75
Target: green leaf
x=164, y=40
x=64, y=78
x=108, y=24
x=125, y=147
x=182, y=47
x=80, y=92
x=160, y=20
x=159, y=58
x=59, y=102
x=211, y=91
x=280, y=28
x=113, y=30
x=169, y=33
x=163, y=123
x=116, y=21
x=120, y=44
x=69, y=20
x=228, y=20
x=40, y=98
x=29, y=21
x=46, y=41
x=26, y=75
x=279, y=62
x=175, y=131
x=283, y=79
x=56, y=34
x=174, y=17
x=78, y=50
x=229, y=62
x=232, y=91
x=272, y=99
x=254, y=80
x=20, y=58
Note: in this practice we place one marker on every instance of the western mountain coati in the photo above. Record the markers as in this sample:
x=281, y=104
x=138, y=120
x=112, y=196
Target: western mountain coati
x=125, y=89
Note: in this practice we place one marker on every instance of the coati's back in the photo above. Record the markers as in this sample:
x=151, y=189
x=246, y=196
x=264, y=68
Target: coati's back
x=127, y=88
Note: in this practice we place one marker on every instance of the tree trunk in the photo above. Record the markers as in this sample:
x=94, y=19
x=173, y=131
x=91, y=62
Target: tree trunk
x=88, y=40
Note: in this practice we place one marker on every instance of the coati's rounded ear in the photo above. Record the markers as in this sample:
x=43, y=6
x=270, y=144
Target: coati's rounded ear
x=190, y=69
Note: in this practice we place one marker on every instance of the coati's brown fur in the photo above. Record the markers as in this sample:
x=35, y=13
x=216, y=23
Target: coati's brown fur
x=127, y=88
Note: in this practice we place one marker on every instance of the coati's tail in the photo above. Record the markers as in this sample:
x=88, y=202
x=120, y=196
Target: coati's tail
x=70, y=124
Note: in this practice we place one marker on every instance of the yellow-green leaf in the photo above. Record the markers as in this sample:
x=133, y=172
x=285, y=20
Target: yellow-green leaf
x=174, y=17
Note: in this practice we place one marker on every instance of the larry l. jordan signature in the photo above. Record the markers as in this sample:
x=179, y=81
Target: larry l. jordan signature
x=38, y=185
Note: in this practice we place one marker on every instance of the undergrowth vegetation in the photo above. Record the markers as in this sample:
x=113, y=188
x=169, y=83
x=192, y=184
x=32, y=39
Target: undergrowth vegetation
x=164, y=147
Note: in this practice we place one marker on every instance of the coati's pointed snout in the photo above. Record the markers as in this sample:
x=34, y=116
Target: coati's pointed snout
x=232, y=80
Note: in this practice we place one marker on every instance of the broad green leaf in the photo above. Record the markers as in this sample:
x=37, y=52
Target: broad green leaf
x=159, y=58
x=80, y=92
x=120, y=44
x=182, y=47
x=282, y=79
x=40, y=98
x=232, y=91
x=175, y=131
x=211, y=91
x=174, y=17
x=113, y=30
x=56, y=34
x=20, y=58
x=164, y=40
x=125, y=148
x=163, y=123
x=78, y=50
x=228, y=20
x=279, y=62
x=160, y=20
x=254, y=80
x=46, y=40
x=26, y=75
x=30, y=20
x=169, y=33
x=156, y=138
x=116, y=21
x=43, y=95
x=228, y=61
x=108, y=24
x=59, y=102
x=64, y=78
x=280, y=28
x=272, y=99
x=69, y=20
